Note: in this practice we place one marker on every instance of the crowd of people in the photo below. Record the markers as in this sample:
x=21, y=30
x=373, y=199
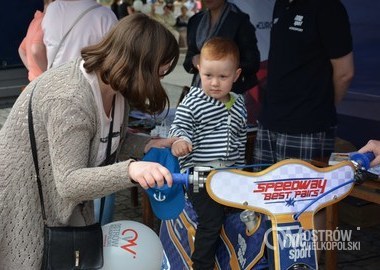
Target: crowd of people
x=89, y=65
x=173, y=14
x=63, y=23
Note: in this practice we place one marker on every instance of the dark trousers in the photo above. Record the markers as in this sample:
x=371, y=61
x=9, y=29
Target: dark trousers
x=210, y=221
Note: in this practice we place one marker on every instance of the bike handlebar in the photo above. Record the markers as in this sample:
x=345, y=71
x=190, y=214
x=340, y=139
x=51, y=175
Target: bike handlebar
x=362, y=159
x=180, y=178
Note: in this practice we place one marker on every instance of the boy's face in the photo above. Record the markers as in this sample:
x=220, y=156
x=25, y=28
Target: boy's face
x=217, y=77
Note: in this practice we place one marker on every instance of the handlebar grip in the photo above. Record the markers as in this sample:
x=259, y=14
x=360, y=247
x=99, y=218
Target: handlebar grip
x=363, y=159
x=180, y=178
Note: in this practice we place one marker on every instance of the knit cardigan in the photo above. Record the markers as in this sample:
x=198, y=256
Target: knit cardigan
x=67, y=131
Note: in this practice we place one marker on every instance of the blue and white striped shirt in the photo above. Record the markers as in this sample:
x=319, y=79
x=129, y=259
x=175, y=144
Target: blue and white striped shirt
x=216, y=133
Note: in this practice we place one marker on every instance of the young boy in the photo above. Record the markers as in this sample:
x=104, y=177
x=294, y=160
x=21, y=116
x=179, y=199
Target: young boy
x=210, y=124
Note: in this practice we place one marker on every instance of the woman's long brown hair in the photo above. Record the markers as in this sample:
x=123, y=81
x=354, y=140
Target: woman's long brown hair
x=129, y=58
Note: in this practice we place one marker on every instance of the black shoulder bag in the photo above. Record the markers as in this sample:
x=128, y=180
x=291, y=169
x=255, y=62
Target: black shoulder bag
x=69, y=247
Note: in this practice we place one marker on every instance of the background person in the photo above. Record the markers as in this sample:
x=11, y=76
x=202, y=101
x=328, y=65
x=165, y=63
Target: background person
x=159, y=6
x=71, y=108
x=120, y=8
x=166, y=18
x=89, y=30
x=181, y=25
x=260, y=14
x=223, y=19
x=192, y=6
x=310, y=67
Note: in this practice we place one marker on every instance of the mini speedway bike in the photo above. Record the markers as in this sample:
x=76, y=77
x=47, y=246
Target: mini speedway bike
x=287, y=195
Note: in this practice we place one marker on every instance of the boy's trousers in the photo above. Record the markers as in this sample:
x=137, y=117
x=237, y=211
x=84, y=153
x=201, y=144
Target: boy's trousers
x=210, y=220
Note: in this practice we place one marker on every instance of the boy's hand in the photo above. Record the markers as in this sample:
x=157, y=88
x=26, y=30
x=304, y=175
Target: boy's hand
x=181, y=148
x=159, y=143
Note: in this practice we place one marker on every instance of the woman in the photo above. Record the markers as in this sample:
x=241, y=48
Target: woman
x=225, y=20
x=72, y=105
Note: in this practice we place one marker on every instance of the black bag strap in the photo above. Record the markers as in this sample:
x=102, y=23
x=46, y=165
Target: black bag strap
x=108, y=155
x=35, y=156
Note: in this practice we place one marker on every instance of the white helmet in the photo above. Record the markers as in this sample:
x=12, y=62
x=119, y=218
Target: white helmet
x=132, y=245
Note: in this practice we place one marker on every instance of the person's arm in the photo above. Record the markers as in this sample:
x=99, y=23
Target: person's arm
x=372, y=146
x=183, y=124
x=159, y=143
x=136, y=145
x=182, y=131
x=70, y=147
x=343, y=72
x=335, y=36
x=22, y=53
x=192, y=53
x=39, y=54
x=247, y=43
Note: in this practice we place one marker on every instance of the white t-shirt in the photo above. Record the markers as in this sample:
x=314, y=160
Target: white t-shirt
x=105, y=121
x=260, y=14
x=89, y=30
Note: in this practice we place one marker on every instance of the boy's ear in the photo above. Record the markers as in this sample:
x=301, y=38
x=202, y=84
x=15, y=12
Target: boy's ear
x=198, y=66
x=237, y=74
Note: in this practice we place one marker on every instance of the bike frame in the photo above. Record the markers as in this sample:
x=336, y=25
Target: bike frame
x=289, y=192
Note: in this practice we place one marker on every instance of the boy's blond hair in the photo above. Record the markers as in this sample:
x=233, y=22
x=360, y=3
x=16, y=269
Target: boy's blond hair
x=218, y=48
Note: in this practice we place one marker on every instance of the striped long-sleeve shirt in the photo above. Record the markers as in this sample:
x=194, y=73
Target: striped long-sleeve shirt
x=216, y=133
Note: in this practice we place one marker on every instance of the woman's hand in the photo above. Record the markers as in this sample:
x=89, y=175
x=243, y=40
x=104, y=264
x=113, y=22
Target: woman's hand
x=159, y=143
x=372, y=146
x=149, y=174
